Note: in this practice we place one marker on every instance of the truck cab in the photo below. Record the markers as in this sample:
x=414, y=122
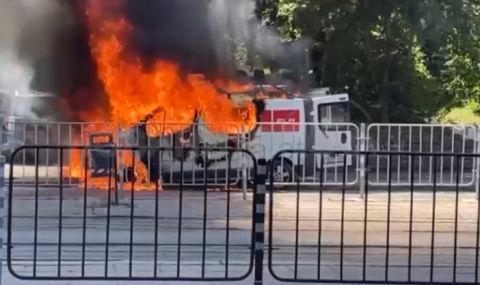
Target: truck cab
x=316, y=120
x=331, y=113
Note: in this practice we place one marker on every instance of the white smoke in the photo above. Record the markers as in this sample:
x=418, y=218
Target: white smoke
x=237, y=19
x=27, y=28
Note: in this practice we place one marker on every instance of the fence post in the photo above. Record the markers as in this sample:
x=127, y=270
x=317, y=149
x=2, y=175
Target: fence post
x=476, y=173
x=361, y=168
x=244, y=166
x=2, y=206
x=259, y=204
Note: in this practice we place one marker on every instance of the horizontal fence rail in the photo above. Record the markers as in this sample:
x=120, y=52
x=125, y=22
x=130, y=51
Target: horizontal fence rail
x=410, y=235
x=117, y=226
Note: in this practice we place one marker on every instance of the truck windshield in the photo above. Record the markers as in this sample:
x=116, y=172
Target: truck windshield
x=334, y=113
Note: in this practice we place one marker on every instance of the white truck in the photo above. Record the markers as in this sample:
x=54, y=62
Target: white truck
x=317, y=120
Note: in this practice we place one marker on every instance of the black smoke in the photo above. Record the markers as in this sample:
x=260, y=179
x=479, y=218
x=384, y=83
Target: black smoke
x=176, y=30
x=201, y=35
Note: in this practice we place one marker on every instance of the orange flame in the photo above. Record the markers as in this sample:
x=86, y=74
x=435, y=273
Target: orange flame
x=160, y=93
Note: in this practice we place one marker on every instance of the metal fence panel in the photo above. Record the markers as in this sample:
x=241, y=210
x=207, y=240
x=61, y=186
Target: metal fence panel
x=423, y=138
x=106, y=233
x=19, y=133
x=264, y=142
x=410, y=235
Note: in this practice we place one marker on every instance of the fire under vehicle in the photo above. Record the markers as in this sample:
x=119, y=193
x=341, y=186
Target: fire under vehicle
x=310, y=121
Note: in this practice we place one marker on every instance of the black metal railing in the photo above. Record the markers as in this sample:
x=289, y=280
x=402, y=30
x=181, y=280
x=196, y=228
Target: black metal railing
x=333, y=234
x=103, y=230
x=411, y=235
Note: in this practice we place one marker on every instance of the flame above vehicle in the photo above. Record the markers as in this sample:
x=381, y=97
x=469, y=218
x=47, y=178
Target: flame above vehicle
x=161, y=92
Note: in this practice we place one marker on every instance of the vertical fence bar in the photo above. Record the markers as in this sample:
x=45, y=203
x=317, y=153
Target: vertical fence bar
x=452, y=150
x=132, y=218
x=476, y=163
x=259, y=218
x=320, y=217
x=109, y=210
x=60, y=219
x=297, y=221
x=431, y=151
x=420, y=159
x=365, y=226
x=85, y=200
x=477, y=241
x=180, y=217
x=47, y=153
x=442, y=150
x=24, y=152
x=342, y=219
x=399, y=159
x=361, y=169
x=389, y=214
x=378, y=157
x=35, y=226
x=227, y=226
x=410, y=158
x=434, y=212
x=2, y=207
x=205, y=213
x=411, y=220
x=455, y=234
x=155, y=235
x=244, y=167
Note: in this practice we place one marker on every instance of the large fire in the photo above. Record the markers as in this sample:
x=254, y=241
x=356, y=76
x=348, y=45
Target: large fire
x=162, y=93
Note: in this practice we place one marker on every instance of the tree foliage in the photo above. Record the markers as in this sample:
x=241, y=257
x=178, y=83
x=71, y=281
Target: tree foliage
x=403, y=60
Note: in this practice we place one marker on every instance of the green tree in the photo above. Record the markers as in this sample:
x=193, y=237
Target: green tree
x=401, y=60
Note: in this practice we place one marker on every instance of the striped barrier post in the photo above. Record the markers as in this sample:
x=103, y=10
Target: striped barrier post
x=2, y=205
x=260, y=220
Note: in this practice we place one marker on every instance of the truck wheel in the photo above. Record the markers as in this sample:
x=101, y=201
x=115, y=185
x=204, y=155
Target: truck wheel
x=283, y=171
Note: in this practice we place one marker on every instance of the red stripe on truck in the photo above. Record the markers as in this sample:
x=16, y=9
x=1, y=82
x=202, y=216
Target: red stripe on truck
x=272, y=121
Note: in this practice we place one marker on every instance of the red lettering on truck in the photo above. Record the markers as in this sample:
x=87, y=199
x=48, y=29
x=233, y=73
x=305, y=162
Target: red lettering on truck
x=281, y=121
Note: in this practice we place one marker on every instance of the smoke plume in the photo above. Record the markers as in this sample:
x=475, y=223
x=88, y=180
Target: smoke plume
x=27, y=28
x=200, y=34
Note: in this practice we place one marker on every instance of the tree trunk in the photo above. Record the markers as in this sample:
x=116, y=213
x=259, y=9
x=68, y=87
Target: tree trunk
x=384, y=99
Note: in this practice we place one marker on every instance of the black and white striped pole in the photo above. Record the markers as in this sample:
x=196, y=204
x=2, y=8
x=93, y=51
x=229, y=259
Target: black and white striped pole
x=259, y=205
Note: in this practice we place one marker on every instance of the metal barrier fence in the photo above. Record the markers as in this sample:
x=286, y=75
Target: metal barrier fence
x=431, y=138
x=106, y=231
x=410, y=235
x=64, y=133
x=118, y=227
x=266, y=140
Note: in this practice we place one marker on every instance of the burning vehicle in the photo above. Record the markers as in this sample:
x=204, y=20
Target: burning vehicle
x=303, y=119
